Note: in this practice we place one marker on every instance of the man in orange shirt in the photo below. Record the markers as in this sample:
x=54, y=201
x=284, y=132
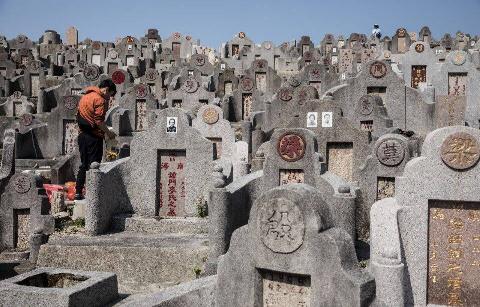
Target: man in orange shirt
x=91, y=122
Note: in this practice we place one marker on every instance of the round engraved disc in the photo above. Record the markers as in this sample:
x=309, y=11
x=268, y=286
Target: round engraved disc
x=390, y=152
x=419, y=48
x=141, y=91
x=366, y=105
x=459, y=58
x=17, y=94
x=112, y=54
x=285, y=94
x=210, y=116
x=460, y=151
x=91, y=72
x=293, y=81
x=96, y=45
x=190, y=85
x=282, y=227
x=70, y=102
x=151, y=74
x=22, y=184
x=315, y=74
x=291, y=147
x=247, y=83
x=378, y=69
x=199, y=61
x=118, y=77
x=241, y=34
x=26, y=119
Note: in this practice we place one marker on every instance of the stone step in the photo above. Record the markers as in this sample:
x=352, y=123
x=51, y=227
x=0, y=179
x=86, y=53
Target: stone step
x=139, y=259
x=156, y=225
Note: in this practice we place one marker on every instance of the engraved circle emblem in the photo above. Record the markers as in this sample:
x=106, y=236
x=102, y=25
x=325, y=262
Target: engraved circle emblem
x=96, y=45
x=285, y=94
x=70, y=102
x=176, y=35
x=460, y=151
x=366, y=105
x=390, y=152
x=291, y=147
x=247, y=84
x=268, y=46
x=141, y=91
x=307, y=56
x=151, y=74
x=199, y=61
x=118, y=77
x=190, y=85
x=112, y=54
x=302, y=96
x=293, y=81
x=459, y=58
x=210, y=116
x=21, y=38
x=81, y=64
x=91, y=72
x=33, y=66
x=241, y=34
x=401, y=32
x=22, y=184
x=188, y=37
x=387, y=54
x=17, y=94
x=419, y=48
x=378, y=69
x=282, y=227
x=26, y=119
x=130, y=39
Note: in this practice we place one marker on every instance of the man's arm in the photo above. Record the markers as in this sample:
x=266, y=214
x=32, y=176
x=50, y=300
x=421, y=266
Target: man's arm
x=100, y=119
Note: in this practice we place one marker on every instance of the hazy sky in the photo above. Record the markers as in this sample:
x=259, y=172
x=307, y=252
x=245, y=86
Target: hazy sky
x=214, y=22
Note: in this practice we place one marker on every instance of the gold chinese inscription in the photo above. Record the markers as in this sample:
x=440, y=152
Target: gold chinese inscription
x=453, y=253
x=284, y=289
x=460, y=151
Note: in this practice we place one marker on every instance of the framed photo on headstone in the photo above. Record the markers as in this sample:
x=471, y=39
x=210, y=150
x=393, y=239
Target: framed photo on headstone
x=327, y=119
x=172, y=124
x=312, y=120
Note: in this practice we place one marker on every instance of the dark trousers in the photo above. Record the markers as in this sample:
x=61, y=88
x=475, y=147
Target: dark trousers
x=91, y=150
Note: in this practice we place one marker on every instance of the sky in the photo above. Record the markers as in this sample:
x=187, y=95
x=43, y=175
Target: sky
x=214, y=22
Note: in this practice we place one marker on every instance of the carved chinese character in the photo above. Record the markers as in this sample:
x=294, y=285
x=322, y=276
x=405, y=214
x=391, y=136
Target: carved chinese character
x=291, y=147
x=390, y=152
x=460, y=151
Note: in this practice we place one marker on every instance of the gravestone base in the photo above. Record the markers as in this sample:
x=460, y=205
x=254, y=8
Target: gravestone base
x=59, y=287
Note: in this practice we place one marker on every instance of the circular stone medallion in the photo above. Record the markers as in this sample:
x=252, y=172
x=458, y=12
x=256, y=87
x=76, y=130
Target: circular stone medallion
x=70, y=102
x=118, y=77
x=378, y=69
x=293, y=81
x=285, y=94
x=459, y=58
x=141, y=91
x=281, y=225
x=112, y=54
x=151, y=74
x=247, y=84
x=199, y=61
x=26, y=119
x=366, y=105
x=460, y=151
x=291, y=147
x=22, y=184
x=96, y=45
x=419, y=48
x=241, y=34
x=190, y=85
x=390, y=152
x=91, y=72
x=210, y=116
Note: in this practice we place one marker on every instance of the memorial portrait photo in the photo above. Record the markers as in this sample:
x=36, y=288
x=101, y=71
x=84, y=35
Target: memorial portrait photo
x=172, y=124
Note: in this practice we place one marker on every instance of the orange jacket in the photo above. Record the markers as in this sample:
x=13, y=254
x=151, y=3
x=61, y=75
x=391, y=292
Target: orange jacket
x=92, y=108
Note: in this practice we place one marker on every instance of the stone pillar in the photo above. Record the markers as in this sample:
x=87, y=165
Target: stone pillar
x=389, y=272
x=218, y=203
x=61, y=60
x=258, y=137
x=40, y=101
x=36, y=240
x=7, y=87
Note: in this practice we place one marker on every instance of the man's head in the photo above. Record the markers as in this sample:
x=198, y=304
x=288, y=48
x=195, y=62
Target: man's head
x=171, y=122
x=311, y=117
x=108, y=88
